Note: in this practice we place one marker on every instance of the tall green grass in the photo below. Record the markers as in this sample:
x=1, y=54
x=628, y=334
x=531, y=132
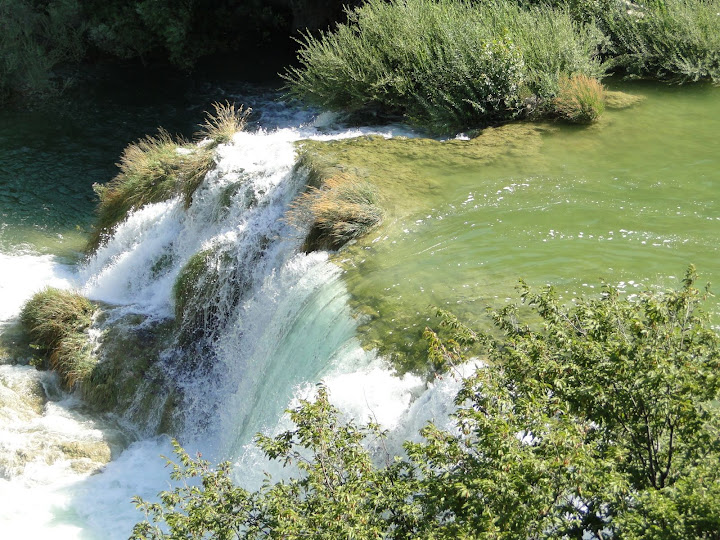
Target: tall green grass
x=674, y=40
x=445, y=64
x=157, y=168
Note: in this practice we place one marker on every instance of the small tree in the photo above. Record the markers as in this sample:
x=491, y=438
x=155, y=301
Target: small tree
x=596, y=423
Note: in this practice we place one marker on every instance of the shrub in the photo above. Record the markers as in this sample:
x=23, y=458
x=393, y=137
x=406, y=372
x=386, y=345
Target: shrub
x=443, y=64
x=674, y=40
x=580, y=99
x=57, y=321
x=343, y=208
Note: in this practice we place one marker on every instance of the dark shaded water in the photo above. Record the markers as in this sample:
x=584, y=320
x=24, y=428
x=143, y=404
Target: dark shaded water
x=53, y=152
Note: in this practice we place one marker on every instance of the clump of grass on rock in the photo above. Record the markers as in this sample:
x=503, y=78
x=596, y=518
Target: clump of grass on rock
x=343, y=208
x=57, y=321
x=226, y=122
x=157, y=168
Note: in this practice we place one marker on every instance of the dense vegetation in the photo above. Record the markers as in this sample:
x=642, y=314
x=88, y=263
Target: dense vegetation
x=598, y=420
x=446, y=64
x=37, y=36
x=155, y=169
x=57, y=323
x=449, y=65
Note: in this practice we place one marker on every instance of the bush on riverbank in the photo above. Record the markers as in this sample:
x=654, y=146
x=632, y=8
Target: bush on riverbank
x=673, y=40
x=57, y=322
x=597, y=422
x=446, y=64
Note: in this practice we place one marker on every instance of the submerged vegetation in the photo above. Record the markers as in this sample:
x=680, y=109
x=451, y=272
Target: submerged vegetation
x=57, y=323
x=597, y=422
x=155, y=169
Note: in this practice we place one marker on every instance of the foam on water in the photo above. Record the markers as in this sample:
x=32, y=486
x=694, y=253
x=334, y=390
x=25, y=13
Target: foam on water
x=23, y=274
x=281, y=324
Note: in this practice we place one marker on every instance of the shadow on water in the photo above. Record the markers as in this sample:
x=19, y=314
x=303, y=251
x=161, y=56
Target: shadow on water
x=53, y=151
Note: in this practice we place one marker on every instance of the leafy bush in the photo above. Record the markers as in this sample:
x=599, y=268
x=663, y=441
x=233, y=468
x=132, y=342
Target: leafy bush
x=595, y=424
x=443, y=64
x=343, y=208
x=674, y=40
x=580, y=99
x=57, y=321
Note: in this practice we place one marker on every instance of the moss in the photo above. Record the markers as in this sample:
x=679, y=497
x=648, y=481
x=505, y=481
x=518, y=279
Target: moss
x=131, y=349
x=410, y=173
x=580, y=99
x=187, y=283
x=56, y=322
x=621, y=100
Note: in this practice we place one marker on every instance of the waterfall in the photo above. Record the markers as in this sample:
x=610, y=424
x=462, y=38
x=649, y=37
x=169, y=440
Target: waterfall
x=254, y=326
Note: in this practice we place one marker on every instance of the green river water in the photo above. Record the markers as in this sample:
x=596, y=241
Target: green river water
x=632, y=200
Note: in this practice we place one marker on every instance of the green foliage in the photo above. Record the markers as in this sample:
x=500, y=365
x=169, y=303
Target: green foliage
x=57, y=321
x=443, y=64
x=595, y=423
x=339, y=494
x=674, y=40
x=35, y=37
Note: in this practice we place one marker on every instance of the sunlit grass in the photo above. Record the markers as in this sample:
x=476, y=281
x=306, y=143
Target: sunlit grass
x=157, y=168
x=580, y=99
x=56, y=321
x=344, y=207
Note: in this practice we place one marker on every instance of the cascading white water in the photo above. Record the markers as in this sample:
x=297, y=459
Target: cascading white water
x=276, y=323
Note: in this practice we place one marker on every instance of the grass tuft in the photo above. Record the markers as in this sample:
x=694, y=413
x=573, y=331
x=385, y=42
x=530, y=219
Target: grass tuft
x=226, y=122
x=580, y=99
x=157, y=168
x=57, y=321
x=344, y=207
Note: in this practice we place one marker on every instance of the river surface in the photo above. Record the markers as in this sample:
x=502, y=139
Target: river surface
x=633, y=200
